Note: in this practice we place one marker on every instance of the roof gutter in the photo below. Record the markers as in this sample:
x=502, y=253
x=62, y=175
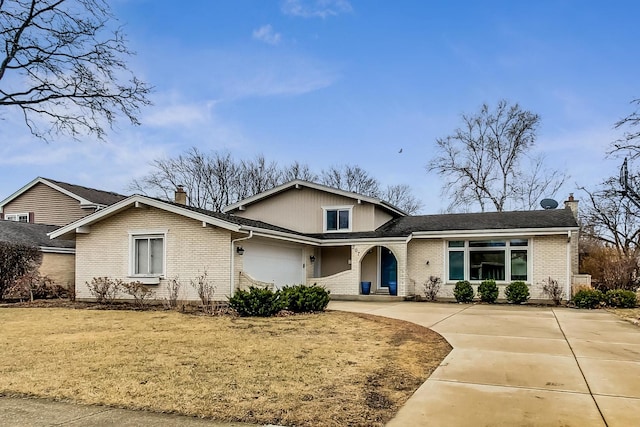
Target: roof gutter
x=233, y=255
x=494, y=232
x=53, y=250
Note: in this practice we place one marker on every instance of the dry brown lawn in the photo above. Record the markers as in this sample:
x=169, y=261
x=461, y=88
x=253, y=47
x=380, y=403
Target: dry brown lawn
x=323, y=369
x=630, y=314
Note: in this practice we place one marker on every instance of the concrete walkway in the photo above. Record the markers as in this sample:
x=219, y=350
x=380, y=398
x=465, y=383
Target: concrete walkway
x=17, y=412
x=524, y=366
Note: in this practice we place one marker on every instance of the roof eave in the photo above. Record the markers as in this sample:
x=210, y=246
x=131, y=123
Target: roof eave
x=297, y=183
x=494, y=232
x=133, y=200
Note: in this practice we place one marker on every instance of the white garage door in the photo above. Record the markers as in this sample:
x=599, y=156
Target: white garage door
x=282, y=265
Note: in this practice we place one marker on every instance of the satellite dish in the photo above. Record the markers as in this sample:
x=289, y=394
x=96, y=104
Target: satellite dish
x=548, y=204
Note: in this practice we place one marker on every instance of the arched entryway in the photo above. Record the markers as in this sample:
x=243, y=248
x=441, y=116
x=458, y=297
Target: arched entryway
x=379, y=266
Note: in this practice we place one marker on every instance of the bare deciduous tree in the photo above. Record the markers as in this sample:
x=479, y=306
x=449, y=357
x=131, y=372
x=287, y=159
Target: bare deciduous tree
x=297, y=170
x=351, y=178
x=401, y=196
x=215, y=180
x=611, y=230
x=210, y=180
x=611, y=218
x=63, y=66
x=484, y=161
x=628, y=144
x=258, y=175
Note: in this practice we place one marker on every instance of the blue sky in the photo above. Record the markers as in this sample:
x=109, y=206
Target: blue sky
x=331, y=82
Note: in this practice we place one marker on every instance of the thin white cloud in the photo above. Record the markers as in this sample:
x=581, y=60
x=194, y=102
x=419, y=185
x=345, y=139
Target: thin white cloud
x=316, y=8
x=264, y=74
x=179, y=115
x=267, y=35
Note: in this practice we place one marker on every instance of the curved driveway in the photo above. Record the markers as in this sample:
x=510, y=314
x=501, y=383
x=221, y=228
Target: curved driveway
x=522, y=366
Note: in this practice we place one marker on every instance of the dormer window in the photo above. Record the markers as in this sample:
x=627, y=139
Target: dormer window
x=337, y=219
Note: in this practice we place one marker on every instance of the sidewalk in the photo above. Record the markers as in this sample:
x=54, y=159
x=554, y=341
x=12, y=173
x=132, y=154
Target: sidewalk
x=26, y=412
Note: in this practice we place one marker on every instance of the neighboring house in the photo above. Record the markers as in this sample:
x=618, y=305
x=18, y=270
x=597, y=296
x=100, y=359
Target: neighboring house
x=42, y=206
x=302, y=232
x=46, y=201
x=58, y=260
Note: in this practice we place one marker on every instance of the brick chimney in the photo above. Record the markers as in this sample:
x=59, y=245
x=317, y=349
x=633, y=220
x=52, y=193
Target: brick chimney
x=181, y=195
x=572, y=204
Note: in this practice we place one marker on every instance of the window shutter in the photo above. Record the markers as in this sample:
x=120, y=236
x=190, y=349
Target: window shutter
x=31, y=218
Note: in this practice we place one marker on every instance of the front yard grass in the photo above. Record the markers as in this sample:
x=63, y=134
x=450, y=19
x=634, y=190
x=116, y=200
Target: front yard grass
x=323, y=369
x=630, y=314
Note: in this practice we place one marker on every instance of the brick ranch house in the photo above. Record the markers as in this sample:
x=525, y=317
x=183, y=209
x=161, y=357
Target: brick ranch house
x=303, y=232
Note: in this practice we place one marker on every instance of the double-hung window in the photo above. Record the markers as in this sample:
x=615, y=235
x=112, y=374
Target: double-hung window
x=477, y=260
x=337, y=219
x=147, y=254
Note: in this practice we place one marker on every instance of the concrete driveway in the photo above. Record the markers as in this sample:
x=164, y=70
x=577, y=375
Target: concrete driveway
x=524, y=366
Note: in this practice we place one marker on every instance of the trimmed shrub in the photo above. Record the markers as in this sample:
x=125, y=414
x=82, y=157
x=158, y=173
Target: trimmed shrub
x=170, y=302
x=33, y=286
x=517, y=292
x=588, y=298
x=256, y=302
x=140, y=293
x=463, y=291
x=304, y=299
x=104, y=289
x=488, y=291
x=552, y=289
x=431, y=287
x=621, y=298
x=206, y=291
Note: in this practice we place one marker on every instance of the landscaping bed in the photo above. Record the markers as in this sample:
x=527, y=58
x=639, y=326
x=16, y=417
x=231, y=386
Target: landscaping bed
x=630, y=314
x=322, y=369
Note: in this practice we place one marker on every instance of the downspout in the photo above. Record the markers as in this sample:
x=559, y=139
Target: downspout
x=568, y=285
x=233, y=257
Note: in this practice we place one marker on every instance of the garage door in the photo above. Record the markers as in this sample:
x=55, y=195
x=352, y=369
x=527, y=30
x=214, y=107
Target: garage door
x=277, y=264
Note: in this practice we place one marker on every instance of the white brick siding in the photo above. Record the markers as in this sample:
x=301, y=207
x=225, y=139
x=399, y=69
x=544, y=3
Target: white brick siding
x=190, y=249
x=548, y=259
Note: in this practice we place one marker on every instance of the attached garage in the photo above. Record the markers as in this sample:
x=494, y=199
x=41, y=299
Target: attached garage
x=273, y=263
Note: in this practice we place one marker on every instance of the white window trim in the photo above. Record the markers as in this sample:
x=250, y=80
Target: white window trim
x=337, y=208
x=16, y=216
x=136, y=234
x=507, y=250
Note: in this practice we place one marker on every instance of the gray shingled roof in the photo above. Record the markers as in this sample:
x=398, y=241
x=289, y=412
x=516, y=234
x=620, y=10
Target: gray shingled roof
x=235, y=219
x=554, y=218
x=99, y=197
x=404, y=226
x=32, y=234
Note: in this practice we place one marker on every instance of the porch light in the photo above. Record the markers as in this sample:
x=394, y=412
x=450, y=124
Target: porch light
x=240, y=250
x=312, y=258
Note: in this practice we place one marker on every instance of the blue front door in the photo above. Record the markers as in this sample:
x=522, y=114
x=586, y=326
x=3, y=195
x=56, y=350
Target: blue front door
x=388, y=268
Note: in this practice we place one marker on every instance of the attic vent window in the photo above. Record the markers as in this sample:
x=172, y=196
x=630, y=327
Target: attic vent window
x=337, y=219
